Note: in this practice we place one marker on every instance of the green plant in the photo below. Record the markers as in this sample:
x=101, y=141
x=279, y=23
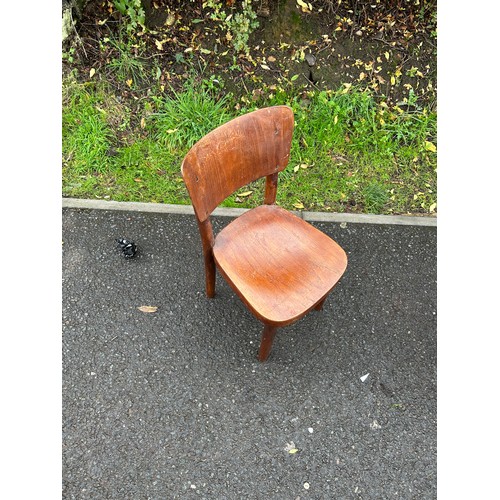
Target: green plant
x=375, y=196
x=86, y=136
x=69, y=55
x=125, y=61
x=133, y=11
x=186, y=116
x=239, y=25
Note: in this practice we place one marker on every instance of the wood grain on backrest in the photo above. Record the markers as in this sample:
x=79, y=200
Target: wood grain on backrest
x=240, y=151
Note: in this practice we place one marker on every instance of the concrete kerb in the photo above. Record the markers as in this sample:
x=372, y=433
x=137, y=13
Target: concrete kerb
x=407, y=220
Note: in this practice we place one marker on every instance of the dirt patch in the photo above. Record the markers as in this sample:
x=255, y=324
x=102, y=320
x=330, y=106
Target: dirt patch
x=393, y=56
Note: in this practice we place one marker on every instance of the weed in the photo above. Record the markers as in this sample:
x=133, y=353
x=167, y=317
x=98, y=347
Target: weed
x=375, y=196
x=187, y=116
x=86, y=136
x=132, y=12
x=126, y=62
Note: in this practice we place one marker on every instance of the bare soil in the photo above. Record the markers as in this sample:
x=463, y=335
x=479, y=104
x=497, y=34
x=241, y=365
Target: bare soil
x=390, y=52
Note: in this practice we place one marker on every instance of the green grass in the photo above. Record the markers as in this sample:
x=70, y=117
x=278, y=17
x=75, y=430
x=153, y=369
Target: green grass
x=350, y=151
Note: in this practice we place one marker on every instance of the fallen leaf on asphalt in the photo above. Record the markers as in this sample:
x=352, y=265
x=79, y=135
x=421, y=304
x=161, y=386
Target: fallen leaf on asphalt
x=148, y=309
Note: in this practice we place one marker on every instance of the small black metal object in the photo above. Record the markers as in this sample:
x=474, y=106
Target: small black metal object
x=128, y=247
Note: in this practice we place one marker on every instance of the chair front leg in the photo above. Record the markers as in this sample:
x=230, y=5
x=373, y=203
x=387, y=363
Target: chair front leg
x=267, y=341
x=209, y=273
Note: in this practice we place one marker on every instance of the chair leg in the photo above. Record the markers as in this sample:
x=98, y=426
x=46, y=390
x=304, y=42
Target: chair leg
x=210, y=274
x=319, y=305
x=267, y=341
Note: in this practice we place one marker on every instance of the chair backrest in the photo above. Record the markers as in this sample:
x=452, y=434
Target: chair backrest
x=233, y=155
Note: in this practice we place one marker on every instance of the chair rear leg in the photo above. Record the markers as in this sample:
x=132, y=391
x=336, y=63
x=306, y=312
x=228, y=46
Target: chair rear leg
x=267, y=341
x=319, y=305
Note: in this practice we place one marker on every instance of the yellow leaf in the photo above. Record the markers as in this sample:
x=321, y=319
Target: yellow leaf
x=264, y=66
x=159, y=45
x=129, y=83
x=335, y=120
x=143, y=122
x=386, y=54
x=148, y=309
x=429, y=146
x=170, y=20
x=92, y=72
x=432, y=208
x=362, y=76
x=305, y=7
x=246, y=193
x=393, y=80
x=298, y=205
x=293, y=451
x=271, y=59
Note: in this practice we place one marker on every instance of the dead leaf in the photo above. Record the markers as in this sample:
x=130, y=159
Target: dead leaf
x=429, y=146
x=91, y=72
x=244, y=194
x=298, y=205
x=148, y=309
x=271, y=59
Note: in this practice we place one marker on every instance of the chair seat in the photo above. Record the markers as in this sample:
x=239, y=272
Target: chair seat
x=280, y=265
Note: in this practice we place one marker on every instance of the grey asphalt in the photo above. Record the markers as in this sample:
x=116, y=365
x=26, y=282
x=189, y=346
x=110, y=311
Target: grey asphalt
x=174, y=404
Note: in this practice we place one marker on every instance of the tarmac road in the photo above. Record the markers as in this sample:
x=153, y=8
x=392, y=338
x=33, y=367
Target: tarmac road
x=173, y=404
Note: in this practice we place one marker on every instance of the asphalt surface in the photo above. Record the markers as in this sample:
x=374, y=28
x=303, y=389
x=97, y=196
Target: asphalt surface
x=174, y=404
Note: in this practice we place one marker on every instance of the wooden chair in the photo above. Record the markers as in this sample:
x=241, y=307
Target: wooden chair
x=280, y=266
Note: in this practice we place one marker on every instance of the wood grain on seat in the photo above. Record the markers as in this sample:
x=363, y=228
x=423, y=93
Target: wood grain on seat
x=280, y=265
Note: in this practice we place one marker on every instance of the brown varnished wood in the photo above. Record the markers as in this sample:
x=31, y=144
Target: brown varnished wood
x=266, y=343
x=233, y=155
x=271, y=189
x=320, y=304
x=207, y=241
x=278, y=264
